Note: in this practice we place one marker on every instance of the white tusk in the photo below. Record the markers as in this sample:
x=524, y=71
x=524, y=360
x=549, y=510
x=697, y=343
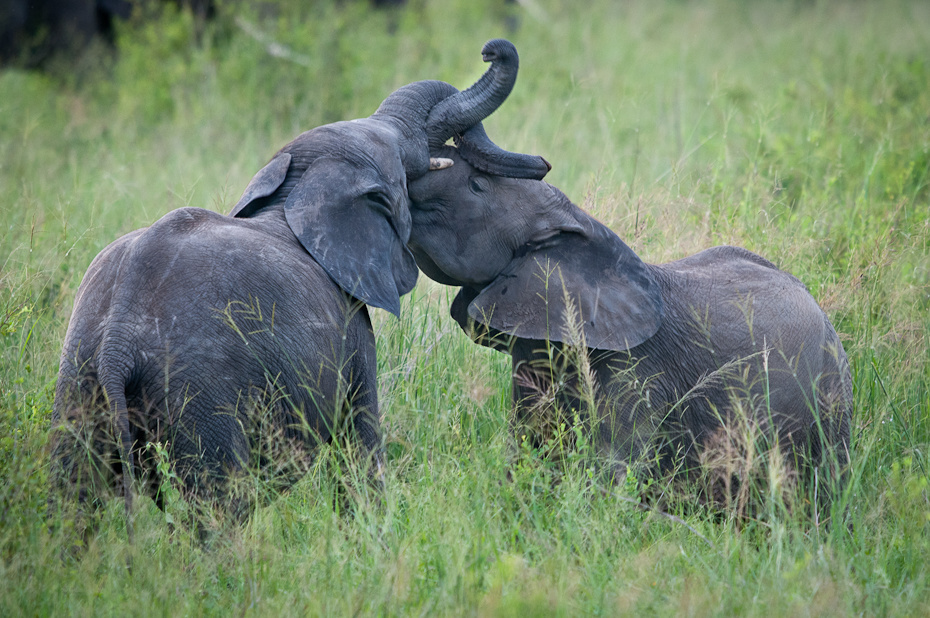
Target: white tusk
x=439, y=163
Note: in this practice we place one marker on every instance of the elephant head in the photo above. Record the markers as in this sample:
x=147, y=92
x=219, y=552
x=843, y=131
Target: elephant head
x=343, y=186
x=521, y=250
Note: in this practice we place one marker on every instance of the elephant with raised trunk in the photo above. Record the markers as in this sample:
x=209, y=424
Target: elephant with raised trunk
x=219, y=335
x=671, y=355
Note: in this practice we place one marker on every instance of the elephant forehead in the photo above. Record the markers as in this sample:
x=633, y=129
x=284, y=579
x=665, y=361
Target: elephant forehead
x=364, y=134
x=365, y=142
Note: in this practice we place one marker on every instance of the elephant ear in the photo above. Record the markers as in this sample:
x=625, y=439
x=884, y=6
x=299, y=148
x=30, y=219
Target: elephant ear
x=356, y=225
x=263, y=184
x=574, y=285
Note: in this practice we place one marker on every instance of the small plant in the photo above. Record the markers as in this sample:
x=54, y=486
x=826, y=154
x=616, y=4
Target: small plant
x=168, y=496
x=13, y=318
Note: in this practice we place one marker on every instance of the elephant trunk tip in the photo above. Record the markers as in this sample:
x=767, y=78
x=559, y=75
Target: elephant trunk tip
x=499, y=50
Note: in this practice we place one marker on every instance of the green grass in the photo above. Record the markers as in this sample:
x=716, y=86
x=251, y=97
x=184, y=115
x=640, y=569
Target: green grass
x=799, y=130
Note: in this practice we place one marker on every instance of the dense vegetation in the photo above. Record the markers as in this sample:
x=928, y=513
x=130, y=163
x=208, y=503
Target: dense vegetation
x=799, y=130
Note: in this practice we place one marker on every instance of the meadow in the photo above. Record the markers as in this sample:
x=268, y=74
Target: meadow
x=799, y=130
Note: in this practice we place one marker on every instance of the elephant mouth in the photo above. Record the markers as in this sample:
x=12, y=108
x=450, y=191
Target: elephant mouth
x=429, y=267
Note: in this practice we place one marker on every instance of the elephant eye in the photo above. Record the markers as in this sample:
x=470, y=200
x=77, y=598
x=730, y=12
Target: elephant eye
x=380, y=202
x=426, y=206
x=478, y=184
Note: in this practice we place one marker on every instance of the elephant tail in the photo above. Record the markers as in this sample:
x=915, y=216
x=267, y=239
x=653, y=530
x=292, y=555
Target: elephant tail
x=113, y=377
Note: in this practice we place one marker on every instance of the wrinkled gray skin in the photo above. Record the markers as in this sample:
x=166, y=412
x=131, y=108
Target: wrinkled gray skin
x=653, y=333
x=225, y=336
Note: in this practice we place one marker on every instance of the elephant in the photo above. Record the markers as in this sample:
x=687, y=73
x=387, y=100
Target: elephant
x=35, y=31
x=658, y=360
x=231, y=338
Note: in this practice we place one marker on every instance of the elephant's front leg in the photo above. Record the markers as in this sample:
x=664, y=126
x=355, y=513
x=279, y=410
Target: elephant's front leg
x=549, y=399
x=630, y=414
x=367, y=438
x=363, y=404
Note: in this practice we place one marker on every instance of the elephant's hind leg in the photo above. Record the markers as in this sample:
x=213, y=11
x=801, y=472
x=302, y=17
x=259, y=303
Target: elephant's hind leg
x=85, y=460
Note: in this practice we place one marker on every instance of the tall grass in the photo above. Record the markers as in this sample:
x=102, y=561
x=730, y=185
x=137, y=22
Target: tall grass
x=799, y=130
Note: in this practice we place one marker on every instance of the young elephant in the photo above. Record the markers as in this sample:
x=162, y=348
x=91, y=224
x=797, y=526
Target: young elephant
x=223, y=336
x=676, y=352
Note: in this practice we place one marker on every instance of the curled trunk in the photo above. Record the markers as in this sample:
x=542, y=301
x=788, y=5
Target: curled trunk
x=459, y=116
x=436, y=111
